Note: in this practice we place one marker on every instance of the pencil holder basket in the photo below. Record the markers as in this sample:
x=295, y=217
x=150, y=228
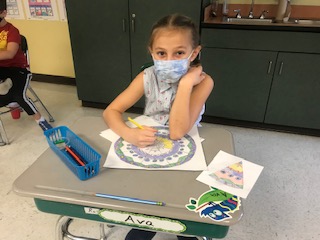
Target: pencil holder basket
x=61, y=137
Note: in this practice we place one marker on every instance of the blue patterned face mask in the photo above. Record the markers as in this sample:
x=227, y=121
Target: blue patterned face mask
x=170, y=71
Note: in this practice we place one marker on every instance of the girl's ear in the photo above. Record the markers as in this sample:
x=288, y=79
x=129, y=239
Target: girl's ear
x=195, y=53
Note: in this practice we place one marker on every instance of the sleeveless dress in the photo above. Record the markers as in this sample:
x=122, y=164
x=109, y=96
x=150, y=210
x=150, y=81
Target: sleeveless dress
x=159, y=97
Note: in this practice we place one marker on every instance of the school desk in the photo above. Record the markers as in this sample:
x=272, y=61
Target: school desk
x=175, y=188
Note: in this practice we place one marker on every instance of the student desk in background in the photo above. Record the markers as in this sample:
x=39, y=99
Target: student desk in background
x=172, y=187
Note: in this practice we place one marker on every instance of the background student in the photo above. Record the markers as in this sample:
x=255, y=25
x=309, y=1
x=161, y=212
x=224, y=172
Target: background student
x=14, y=68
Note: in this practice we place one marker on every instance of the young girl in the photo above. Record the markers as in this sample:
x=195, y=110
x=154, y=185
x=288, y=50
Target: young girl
x=175, y=89
x=14, y=66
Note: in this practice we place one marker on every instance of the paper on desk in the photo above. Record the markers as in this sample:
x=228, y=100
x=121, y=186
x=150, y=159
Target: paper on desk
x=251, y=172
x=196, y=163
x=143, y=120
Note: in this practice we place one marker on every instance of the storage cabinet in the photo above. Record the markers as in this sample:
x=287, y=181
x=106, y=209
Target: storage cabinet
x=263, y=76
x=242, y=82
x=109, y=41
x=294, y=96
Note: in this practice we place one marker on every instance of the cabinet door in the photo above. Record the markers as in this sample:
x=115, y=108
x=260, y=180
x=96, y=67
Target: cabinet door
x=242, y=82
x=144, y=13
x=99, y=33
x=294, y=98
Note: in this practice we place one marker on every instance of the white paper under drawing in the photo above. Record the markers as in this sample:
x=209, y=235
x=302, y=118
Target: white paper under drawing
x=165, y=154
x=251, y=172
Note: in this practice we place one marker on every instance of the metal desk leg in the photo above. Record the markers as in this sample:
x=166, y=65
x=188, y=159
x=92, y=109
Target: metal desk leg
x=3, y=135
x=62, y=230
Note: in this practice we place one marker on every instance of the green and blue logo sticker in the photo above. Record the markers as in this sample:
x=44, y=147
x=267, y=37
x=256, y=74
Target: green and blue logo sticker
x=214, y=204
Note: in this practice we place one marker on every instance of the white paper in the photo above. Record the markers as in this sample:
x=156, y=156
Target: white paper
x=144, y=120
x=196, y=163
x=251, y=172
x=15, y=9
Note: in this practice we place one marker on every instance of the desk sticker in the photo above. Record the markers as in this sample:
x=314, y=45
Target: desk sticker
x=215, y=204
x=143, y=221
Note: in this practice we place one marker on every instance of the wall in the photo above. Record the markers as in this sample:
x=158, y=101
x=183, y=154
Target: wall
x=49, y=46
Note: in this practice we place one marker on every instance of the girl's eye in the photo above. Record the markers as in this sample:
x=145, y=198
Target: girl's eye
x=161, y=54
x=180, y=53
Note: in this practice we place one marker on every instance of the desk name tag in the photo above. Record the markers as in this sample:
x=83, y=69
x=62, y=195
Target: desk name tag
x=144, y=221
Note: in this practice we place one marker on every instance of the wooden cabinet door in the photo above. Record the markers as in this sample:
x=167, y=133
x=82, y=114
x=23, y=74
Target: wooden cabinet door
x=99, y=33
x=242, y=82
x=295, y=93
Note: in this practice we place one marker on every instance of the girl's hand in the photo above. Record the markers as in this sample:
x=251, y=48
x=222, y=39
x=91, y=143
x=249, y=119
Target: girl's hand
x=195, y=75
x=141, y=137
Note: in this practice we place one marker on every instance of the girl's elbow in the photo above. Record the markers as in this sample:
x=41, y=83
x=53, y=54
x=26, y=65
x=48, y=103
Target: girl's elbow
x=176, y=134
x=105, y=114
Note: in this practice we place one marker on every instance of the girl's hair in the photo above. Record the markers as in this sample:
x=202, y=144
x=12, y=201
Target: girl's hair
x=175, y=21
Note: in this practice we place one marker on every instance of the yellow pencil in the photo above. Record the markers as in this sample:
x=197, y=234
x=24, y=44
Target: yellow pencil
x=135, y=123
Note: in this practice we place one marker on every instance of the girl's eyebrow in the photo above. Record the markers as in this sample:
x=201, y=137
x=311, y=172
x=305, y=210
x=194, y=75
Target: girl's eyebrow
x=174, y=49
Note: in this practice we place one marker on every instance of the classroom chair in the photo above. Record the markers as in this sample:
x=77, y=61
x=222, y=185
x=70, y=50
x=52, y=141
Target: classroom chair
x=35, y=98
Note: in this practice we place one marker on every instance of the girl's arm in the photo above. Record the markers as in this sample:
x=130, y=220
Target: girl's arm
x=113, y=115
x=10, y=51
x=193, y=90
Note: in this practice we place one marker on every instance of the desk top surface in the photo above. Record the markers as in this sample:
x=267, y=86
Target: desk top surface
x=175, y=188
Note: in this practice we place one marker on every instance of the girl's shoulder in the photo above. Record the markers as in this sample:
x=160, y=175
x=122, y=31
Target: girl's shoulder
x=149, y=74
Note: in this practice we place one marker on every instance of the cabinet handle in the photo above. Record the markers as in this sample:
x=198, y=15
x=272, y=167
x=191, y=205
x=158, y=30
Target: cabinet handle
x=133, y=22
x=124, y=25
x=269, y=67
x=281, y=68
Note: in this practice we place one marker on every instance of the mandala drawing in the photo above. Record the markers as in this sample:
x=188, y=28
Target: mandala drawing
x=231, y=175
x=164, y=153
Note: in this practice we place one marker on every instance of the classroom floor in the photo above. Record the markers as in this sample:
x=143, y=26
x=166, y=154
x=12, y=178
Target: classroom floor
x=284, y=203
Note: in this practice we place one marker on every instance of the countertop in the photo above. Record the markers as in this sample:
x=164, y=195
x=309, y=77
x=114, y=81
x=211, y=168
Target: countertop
x=220, y=22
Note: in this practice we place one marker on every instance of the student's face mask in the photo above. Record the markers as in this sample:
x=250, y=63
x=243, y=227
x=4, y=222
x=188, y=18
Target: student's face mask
x=170, y=71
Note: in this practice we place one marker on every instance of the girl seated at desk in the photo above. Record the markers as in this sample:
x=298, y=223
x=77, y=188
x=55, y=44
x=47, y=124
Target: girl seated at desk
x=175, y=88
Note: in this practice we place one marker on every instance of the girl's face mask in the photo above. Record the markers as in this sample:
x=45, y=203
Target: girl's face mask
x=171, y=71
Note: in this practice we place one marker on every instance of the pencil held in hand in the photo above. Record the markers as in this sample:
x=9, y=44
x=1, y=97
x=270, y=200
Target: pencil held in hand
x=135, y=123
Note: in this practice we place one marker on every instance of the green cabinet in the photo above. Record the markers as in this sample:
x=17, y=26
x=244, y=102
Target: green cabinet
x=242, y=82
x=294, y=96
x=100, y=46
x=109, y=41
x=263, y=76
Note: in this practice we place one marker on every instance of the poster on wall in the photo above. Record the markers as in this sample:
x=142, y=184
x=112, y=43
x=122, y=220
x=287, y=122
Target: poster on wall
x=15, y=9
x=62, y=10
x=41, y=9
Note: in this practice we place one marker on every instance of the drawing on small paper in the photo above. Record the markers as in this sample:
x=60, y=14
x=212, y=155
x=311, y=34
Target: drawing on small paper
x=225, y=161
x=231, y=175
x=164, y=153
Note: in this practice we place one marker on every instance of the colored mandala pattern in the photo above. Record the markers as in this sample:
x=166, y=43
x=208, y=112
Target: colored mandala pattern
x=165, y=153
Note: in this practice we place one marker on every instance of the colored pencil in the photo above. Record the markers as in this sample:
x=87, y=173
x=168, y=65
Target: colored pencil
x=103, y=195
x=135, y=123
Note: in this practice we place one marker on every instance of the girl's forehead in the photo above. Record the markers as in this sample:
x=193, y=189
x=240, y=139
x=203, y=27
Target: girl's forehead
x=172, y=37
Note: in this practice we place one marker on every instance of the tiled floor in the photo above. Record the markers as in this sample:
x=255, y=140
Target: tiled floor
x=284, y=203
